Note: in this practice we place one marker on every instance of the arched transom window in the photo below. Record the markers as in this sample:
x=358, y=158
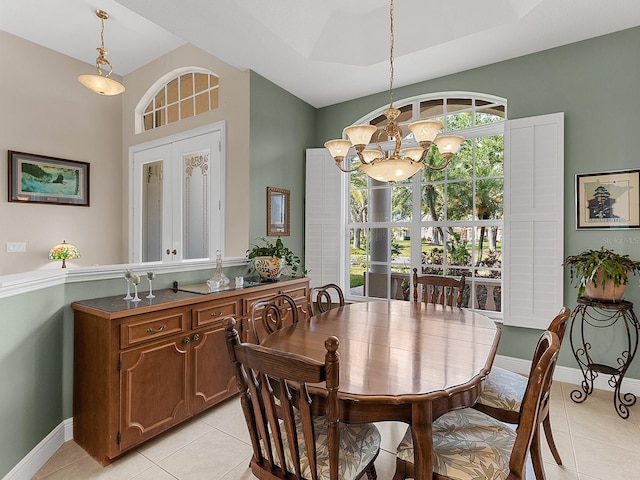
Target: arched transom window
x=185, y=95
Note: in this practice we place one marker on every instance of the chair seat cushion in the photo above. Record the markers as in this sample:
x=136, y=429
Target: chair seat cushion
x=468, y=445
x=503, y=389
x=359, y=446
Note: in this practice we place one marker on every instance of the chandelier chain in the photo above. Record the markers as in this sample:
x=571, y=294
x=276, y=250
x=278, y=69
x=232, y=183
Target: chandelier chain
x=391, y=38
x=102, y=33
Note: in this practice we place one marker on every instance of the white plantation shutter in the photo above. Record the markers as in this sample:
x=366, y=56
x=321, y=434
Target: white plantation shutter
x=533, y=220
x=323, y=219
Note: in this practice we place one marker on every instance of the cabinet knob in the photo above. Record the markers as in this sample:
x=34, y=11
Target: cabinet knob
x=186, y=340
x=174, y=251
x=196, y=337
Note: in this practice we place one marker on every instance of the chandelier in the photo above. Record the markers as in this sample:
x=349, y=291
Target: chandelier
x=401, y=163
x=101, y=83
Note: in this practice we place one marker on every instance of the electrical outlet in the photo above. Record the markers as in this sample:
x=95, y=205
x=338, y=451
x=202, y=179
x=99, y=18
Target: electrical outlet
x=16, y=247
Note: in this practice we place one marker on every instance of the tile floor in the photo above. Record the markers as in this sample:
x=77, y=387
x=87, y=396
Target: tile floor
x=595, y=444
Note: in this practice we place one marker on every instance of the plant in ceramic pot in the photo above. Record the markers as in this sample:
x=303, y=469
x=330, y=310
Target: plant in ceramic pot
x=272, y=257
x=601, y=274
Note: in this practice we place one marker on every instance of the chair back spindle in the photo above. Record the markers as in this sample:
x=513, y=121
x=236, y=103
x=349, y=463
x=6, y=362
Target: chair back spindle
x=439, y=289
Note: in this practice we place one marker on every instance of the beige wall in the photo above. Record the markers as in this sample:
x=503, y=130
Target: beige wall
x=233, y=109
x=45, y=110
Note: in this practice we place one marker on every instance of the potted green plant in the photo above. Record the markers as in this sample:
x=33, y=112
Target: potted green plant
x=601, y=274
x=270, y=258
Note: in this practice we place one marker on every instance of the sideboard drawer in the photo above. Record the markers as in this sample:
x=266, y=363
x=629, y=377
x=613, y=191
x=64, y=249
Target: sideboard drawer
x=152, y=326
x=211, y=312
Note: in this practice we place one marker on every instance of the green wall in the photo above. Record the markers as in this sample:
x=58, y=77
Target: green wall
x=593, y=83
x=282, y=128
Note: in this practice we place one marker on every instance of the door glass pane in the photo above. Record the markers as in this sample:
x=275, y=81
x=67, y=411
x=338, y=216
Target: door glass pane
x=152, y=196
x=358, y=260
x=195, y=199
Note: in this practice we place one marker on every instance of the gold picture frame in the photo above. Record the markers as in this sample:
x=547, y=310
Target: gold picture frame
x=278, y=212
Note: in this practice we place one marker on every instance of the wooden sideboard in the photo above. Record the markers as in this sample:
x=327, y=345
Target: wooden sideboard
x=142, y=368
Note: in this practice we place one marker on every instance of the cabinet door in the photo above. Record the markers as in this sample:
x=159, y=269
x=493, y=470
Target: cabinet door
x=213, y=378
x=154, y=389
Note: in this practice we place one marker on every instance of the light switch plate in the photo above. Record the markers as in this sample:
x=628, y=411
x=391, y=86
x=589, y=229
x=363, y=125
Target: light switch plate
x=16, y=247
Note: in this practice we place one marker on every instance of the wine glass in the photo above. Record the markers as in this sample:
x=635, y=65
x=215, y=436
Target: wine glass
x=135, y=280
x=127, y=276
x=151, y=276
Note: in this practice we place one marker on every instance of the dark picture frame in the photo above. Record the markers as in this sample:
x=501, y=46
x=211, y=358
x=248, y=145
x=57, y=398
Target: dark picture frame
x=278, y=212
x=42, y=179
x=608, y=200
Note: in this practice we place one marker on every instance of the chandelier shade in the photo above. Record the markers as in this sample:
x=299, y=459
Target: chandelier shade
x=100, y=83
x=399, y=164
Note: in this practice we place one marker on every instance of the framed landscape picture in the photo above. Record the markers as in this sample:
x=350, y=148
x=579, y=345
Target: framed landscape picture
x=39, y=179
x=608, y=200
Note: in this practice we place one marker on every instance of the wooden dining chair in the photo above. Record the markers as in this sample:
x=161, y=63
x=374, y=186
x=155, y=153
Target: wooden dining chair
x=271, y=314
x=296, y=434
x=438, y=288
x=468, y=444
x=503, y=390
x=324, y=298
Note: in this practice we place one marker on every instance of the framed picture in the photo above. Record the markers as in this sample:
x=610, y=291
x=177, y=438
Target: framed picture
x=608, y=200
x=277, y=212
x=39, y=179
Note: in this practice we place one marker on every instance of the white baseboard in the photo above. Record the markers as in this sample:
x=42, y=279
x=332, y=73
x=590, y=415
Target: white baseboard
x=568, y=375
x=41, y=453
x=36, y=458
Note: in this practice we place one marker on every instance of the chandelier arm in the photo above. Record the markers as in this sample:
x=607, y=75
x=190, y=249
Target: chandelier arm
x=423, y=160
x=345, y=170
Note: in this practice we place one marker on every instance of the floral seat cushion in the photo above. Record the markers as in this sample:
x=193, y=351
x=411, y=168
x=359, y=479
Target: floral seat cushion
x=359, y=446
x=468, y=445
x=503, y=389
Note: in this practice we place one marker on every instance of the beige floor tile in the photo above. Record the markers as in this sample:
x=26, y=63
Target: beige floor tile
x=385, y=465
x=82, y=469
x=172, y=441
x=67, y=454
x=607, y=428
x=600, y=459
x=215, y=453
x=127, y=467
x=565, y=448
x=391, y=433
x=154, y=473
x=241, y=472
x=555, y=472
x=229, y=418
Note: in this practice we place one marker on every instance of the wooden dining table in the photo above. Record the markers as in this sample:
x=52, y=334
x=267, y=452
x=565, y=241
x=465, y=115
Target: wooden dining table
x=400, y=361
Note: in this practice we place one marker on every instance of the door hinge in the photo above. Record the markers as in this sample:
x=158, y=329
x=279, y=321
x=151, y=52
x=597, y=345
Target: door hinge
x=119, y=364
x=118, y=438
x=220, y=146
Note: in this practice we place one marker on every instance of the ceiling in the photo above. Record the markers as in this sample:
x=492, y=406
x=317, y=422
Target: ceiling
x=325, y=51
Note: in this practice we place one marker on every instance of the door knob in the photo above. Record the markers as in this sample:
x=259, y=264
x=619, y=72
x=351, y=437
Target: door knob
x=174, y=251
